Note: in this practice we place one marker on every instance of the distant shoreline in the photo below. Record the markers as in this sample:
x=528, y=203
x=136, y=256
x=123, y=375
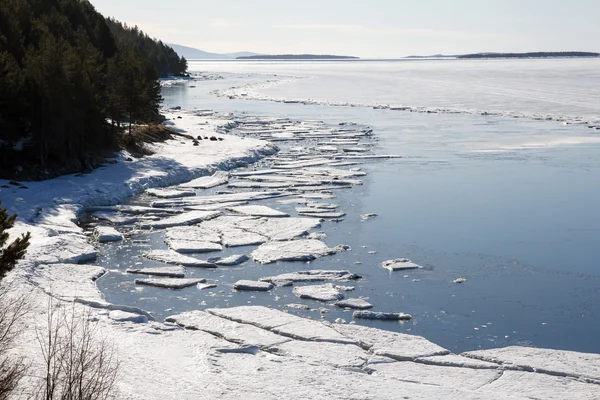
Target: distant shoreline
x=297, y=57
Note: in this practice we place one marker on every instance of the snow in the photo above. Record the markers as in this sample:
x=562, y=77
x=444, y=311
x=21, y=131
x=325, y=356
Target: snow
x=454, y=360
x=169, y=283
x=67, y=248
x=171, y=272
x=252, y=285
x=172, y=257
x=400, y=264
x=326, y=292
x=258, y=211
x=107, y=234
x=358, y=304
x=383, y=316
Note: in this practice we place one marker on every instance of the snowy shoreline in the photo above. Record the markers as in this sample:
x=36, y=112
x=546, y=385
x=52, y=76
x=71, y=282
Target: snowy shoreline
x=254, y=351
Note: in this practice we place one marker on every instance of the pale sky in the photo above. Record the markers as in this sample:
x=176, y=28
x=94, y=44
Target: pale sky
x=365, y=28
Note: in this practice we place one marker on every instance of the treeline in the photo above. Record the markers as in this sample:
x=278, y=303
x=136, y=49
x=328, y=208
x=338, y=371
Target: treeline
x=63, y=76
x=166, y=61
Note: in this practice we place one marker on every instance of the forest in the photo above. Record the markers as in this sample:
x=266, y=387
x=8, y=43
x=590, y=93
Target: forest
x=69, y=80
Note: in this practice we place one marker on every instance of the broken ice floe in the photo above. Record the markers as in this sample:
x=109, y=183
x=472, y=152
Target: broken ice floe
x=170, y=193
x=172, y=257
x=258, y=211
x=358, y=304
x=105, y=234
x=459, y=280
x=115, y=218
x=169, y=283
x=67, y=248
x=170, y=272
x=316, y=213
x=398, y=346
x=122, y=316
x=382, y=316
x=252, y=285
x=400, y=264
x=366, y=217
x=204, y=286
x=235, y=259
x=188, y=218
x=326, y=292
x=207, y=182
x=316, y=275
x=295, y=250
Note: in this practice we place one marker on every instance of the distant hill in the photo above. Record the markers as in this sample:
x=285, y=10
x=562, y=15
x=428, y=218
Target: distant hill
x=297, y=57
x=191, y=53
x=538, y=54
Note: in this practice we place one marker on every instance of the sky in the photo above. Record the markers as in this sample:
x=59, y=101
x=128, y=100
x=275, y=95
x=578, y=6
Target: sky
x=365, y=28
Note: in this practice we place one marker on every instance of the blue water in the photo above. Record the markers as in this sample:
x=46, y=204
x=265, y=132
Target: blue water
x=509, y=204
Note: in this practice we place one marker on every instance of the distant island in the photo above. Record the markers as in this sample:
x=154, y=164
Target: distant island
x=296, y=57
x=538, y=54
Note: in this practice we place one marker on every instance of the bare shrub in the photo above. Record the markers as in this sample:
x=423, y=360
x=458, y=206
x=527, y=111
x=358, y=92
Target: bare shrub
x=79, y=363
x=13, y=307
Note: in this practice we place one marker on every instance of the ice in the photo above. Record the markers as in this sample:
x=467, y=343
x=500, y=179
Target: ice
x=235, y=332
x=115, y=218
x=298, y=306
x=252, y=285
x=214, y=207
x=204, y=286
x=193, y=246
x=358, y=304
x=193, y=233
x=172, y=257
x=337, y=355
x=323, y=196
x=366, y=217
x=122, y=316
x=553, y=362
x=453, y=360
x=400, y=264
x=256, y=172
x=68, y=281
x=170, y=193
x=324, y=206
x=233, y=237
x=326, y=292
x=315, y=275
x=295, y=250
x=281, y=229
x=465, y=378
x=309, y=212
x=171, y=272
x=134, y=210
x=383, y=316
x=293, y=201
x=398, y=346
x=282, y=323
x=169, y=283
x=66, y=248
x=218, y=199
x=188, y=218
x=258, y=211
x=235, y=259
x=207, y=182
x=107, y=234
x=541, y=386
x=459, y=280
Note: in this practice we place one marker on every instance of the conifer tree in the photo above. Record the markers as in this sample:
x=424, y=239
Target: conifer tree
x=10, y=254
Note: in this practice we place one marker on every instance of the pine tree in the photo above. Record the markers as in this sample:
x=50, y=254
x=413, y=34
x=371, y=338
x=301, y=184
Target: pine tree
x=10, y=254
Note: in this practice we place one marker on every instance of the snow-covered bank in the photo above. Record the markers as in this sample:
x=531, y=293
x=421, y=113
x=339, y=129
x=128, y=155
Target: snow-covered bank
x=256, y=352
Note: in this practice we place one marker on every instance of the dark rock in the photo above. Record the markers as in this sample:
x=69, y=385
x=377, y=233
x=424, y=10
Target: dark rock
x=14, y=183
x=176, y=108
x=129, y=159
x=196, y=143
x=199, y=137
x=221, y=139
x=213, y=138
x=180, y=117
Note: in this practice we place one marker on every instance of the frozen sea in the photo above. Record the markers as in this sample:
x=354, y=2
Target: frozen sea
x=494, y=186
